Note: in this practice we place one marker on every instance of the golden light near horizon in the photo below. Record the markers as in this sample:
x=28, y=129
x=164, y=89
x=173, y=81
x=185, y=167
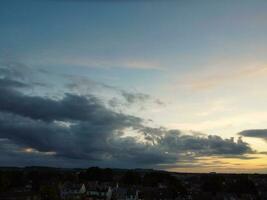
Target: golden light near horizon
x=255, y=163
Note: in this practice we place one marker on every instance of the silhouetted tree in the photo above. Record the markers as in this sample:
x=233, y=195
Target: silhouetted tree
x=49, y=192
x=98, y=174
x=131, y=178
x=212, y=183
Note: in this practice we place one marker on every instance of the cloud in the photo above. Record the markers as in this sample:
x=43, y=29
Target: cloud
x=8, y=83
x=256, y=133
x=102, y=63
x=16, y=74
x=118, y=98
x=80, y=130
x=134, y=97
x=208, y=79
x=101, y=142
x=92, y=132
x=71, y=107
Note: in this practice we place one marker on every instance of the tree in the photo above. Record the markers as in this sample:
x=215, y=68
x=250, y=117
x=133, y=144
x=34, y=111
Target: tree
x=131, y=178
x=49, y=192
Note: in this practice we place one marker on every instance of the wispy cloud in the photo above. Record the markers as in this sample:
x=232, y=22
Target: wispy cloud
x=210, y=78
x=100, y=62
x=235, y=121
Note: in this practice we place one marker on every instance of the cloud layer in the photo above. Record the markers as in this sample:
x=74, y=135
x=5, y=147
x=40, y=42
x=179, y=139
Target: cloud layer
x=256, y=133
x=80, y=130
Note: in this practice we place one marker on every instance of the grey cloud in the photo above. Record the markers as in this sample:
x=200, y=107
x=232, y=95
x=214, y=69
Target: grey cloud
x=211, y=145
x=84, y=85
x=71, y=107
x=13, y=155
x=139, y=98
x=93, y=133
x=175, y=142
x=16, y=74
x=14, y=70
x=159, y=102
x=82, y=141
x=9, y=83
x=134, y=97
x=257, y=133
x=82, y=128
x=114, y=97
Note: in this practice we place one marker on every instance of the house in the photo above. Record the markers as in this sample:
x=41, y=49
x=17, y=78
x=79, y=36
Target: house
x=124, y=193
x=96, y=191
x=72, y=191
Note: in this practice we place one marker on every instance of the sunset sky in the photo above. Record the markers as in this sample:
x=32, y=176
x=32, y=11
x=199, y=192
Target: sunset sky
x=174, y=85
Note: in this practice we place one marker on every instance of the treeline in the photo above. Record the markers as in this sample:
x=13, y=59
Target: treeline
x=40, y=179
x=131, y=177
x=237, y=184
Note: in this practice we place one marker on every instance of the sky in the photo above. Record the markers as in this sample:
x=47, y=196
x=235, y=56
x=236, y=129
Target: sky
x=173, y=85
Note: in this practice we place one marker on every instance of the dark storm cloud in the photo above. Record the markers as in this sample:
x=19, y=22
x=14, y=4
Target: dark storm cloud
x=82, y=141
x=9, y=83
x=80, y=129
x=211, y=145
x=95, y=137
x=257, y=133
x=13, y=155
x=71, y=107
x=175, y=141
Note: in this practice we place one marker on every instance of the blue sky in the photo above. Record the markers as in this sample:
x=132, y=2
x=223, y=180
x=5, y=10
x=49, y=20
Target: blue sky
x=205, y=62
